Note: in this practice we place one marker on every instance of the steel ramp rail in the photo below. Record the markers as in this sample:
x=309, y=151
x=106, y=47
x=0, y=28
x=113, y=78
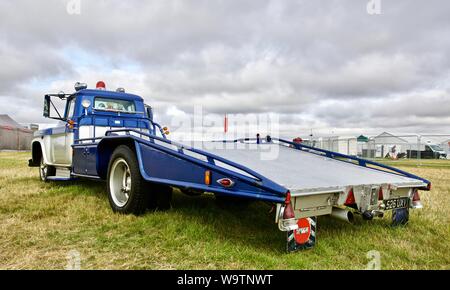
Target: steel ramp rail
x=268, y=189
x=302, y=171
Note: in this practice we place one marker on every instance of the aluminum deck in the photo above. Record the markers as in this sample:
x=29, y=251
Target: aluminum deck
x=305, y=172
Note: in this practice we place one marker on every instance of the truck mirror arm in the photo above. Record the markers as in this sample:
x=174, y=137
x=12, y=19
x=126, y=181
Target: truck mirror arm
x=57, y=112
x=47, y=108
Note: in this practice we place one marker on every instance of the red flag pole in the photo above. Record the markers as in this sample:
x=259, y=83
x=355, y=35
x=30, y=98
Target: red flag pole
x=226, y=124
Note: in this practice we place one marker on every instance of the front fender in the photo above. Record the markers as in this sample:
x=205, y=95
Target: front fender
x=38, y=151
x=105, y=149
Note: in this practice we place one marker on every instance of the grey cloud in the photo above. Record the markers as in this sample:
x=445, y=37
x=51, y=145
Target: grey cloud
x=318, y=63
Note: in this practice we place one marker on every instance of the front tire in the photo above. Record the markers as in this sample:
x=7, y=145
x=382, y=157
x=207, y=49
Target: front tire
x=45, y=170
x=126, y=187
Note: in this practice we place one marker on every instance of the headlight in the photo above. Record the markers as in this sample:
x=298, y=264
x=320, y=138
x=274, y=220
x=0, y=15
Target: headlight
x=86, y=104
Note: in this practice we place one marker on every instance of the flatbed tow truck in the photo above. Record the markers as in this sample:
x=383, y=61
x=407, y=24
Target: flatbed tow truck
x=111, y=136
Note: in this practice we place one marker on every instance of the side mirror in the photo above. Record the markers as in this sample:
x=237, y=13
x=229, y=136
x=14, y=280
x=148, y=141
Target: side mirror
x=47, y=106
x=149, y=112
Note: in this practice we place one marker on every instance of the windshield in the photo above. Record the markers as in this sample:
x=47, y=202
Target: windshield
x=436, y=147
x=70, y=108
x=114, y=105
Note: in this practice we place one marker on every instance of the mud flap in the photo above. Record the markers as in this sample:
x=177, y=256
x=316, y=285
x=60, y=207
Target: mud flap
x=400, y=217
x=304, y=237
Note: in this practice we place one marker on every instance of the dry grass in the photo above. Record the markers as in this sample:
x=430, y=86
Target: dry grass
x=40, y=224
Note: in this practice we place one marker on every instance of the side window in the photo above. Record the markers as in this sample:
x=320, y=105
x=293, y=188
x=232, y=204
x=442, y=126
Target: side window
x=70, y=109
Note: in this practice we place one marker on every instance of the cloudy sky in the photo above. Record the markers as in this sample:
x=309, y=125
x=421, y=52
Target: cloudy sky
x=329, y=66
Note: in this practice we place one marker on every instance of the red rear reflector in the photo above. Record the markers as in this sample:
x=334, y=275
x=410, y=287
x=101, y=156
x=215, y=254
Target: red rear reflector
x=380, y=194
x=350, y=198
x=225, y=182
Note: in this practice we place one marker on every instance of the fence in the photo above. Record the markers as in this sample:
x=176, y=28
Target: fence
x=15, y=138
x=433, y=146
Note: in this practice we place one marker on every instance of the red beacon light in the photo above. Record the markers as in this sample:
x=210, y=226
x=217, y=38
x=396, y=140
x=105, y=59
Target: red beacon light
x=101, y=85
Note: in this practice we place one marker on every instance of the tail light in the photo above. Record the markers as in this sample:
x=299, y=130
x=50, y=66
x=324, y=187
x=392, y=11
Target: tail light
x=288, y=198
x=380, y=194
x=416, y=203
x=288, y=223
x=350, y=198
x=416, y=196
x=288, y=211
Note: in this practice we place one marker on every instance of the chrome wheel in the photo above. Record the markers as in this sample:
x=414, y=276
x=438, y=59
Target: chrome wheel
x=120, y=182
x=43, y=170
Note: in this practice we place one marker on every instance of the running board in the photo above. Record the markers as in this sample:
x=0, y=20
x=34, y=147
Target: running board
x=86, y=176
x=62, y=174
x=58, y=178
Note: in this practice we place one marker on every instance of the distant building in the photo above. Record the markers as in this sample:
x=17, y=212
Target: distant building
x=389, y=144
x=13, y=136
x=341, y=144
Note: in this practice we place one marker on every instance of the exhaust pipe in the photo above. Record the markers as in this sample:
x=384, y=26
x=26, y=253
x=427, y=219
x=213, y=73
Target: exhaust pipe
x=343, y=215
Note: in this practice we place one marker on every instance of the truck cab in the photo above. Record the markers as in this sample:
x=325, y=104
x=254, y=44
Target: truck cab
x=435, y=151
x=69, y=148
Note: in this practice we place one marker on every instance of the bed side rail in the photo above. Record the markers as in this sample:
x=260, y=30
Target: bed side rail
x=359, y=161
x=337, y=156
x=251, y=177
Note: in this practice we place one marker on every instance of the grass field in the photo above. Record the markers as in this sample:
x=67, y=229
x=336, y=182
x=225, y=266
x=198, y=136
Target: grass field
x=41, y=223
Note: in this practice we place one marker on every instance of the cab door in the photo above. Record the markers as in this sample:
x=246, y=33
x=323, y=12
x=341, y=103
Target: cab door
x=61, y=139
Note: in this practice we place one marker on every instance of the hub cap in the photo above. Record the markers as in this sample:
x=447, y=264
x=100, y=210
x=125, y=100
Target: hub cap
x=43, y=169
x=120, y=182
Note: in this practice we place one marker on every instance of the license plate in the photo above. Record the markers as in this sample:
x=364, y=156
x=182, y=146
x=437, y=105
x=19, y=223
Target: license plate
x=396, y=203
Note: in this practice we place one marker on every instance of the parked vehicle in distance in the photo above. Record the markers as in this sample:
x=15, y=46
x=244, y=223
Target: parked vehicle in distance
x=430, y=152
x=112, y=136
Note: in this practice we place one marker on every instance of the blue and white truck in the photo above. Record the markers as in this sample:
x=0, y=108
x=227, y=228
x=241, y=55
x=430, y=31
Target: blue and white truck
x=112, y=136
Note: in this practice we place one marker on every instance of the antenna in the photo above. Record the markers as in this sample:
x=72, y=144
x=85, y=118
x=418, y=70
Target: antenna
x=225, y=124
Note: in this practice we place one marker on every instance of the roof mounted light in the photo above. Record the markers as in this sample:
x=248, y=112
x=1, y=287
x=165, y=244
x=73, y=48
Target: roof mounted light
x=100, y=85
x=120, y=90
x=80, y=86
x=61, y=95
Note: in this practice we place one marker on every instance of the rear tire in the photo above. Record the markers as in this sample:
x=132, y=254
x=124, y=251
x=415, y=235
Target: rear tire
x=229, y=202
x=160, y=198
x=45, y=170
x=191, y=192
x=126, y=187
